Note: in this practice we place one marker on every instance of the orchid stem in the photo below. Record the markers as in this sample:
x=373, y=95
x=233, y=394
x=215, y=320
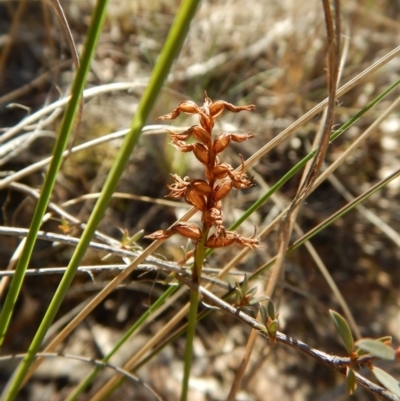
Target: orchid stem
x=192, y=317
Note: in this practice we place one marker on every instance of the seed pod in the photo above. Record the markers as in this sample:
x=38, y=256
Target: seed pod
x=188, y=230
x=195, y=199
x=201, y=187
x=201, y=153
x=217, y=108
x=221, y=142
x=222, y=189
x=221, y=170
x=206, y=123
x=188, y=107
x=200, y=134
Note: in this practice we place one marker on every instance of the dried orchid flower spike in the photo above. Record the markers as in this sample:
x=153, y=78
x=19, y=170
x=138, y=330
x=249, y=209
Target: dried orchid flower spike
x=206, y=195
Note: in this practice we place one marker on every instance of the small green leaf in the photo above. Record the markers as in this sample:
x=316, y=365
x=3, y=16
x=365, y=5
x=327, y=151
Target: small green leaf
x=125, y=237
x=386, y=339
x=344, y=330
x=263, y=313
x=350, y=381
x=257, y=300
x=361, y=352
x=271, y=310
x=245, y=284
x=272, y=327
x=135, y=237
x=376, y=348
x=386, y=380
x=251, y=292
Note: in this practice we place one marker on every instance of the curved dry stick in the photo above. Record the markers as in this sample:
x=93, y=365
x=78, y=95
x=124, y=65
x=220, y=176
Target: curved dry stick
x=287, y=223
x=94, y=142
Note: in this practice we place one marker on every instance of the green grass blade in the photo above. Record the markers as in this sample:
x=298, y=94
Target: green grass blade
x=61, y=143
x=9, y=393
x=170, y=50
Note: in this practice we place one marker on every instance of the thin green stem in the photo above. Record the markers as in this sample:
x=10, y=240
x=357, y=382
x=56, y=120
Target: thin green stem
x=192, y=318
x=191, y=329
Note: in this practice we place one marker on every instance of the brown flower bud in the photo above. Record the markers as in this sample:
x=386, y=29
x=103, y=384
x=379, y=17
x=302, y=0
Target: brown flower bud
x=187, y=106
x=201, y=153
x=221, y=170
x=188, y=230
x=206, y=122
x=201, y=134
x=241, y=137
x=222, y=189
x=218, y=107
x=195, y=199
x=221, y=142
x=201, y=187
